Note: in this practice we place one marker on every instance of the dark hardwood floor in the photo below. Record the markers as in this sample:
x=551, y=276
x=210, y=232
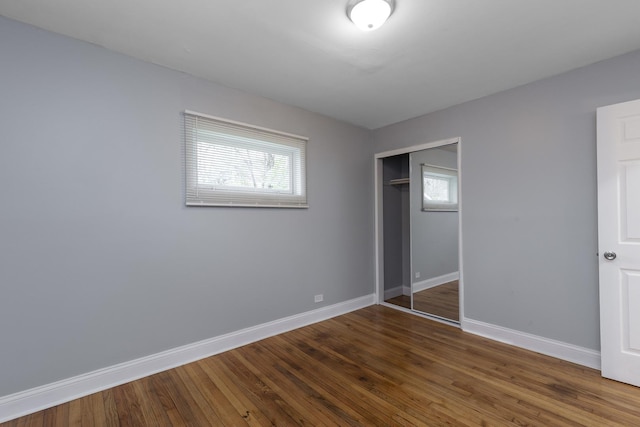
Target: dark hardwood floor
x=373, y=367
x=402, y=301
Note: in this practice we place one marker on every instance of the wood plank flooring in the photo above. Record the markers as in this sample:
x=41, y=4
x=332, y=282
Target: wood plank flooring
x=373, y=367
x=440, y=301
x=443, y=301
x=401, y=300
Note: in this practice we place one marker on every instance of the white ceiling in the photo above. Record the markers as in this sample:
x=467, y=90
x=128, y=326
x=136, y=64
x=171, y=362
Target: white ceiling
x=431, y=54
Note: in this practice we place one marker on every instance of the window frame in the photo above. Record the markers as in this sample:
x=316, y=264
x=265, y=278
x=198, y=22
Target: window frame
x=442, y=173
x=203, y=128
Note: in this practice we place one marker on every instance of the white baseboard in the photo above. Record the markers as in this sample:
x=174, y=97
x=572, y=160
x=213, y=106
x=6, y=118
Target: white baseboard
x=393, y=292
x=39, y=398
x=436, y=281
x=397, y=291
x=558, y=349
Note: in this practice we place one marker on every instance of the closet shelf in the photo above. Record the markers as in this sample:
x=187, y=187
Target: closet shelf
x=399, y=181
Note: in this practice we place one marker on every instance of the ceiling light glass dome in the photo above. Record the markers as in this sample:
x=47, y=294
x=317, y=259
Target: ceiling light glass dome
x=370, y=14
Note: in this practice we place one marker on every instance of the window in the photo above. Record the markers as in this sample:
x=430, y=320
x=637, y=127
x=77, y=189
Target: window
x=439, y=188
x=235, y=164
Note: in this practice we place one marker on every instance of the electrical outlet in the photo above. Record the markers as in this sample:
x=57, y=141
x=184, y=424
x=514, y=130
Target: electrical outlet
x=417, y=274
x=318, y=298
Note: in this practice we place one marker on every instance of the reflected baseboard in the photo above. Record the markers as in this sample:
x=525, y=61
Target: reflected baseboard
x=397, y=291
x=435, y=281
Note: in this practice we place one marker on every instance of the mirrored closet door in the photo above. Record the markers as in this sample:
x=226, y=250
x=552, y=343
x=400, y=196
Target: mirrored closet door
x=434, y=231
x=420, y=226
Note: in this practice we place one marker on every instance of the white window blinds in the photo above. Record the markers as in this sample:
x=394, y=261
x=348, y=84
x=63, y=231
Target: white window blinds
x=439, y=188
x=235, y=164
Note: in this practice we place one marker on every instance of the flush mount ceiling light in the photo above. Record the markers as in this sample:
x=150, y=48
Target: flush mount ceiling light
x=370, y=14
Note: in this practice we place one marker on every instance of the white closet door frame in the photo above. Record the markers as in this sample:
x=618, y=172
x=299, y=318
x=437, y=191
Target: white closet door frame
x=379, y=220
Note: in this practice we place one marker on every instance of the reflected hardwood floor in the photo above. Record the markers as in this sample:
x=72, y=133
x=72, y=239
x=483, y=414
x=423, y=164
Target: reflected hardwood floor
x=441, y=301
x=372, y=367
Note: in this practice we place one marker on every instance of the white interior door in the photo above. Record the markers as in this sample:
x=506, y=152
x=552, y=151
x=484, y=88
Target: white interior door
x=619, y=240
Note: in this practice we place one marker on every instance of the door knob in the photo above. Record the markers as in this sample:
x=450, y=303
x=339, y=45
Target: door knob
x=610, y=256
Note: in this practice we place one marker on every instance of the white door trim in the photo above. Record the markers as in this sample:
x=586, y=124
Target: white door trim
x=618, y=150
x=378, y=215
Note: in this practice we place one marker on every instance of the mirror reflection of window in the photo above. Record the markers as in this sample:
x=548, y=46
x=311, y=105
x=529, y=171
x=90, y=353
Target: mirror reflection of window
x=439, y=188
x=436, y=188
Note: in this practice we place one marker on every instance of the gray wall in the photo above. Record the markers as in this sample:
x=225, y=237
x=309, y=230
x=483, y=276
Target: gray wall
x=434, y=235
x=101, y=262
x=529, y=197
